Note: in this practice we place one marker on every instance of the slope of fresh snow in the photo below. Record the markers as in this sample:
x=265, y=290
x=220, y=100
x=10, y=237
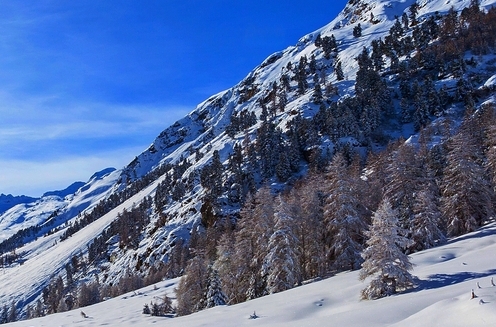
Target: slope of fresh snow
x=25, y=215
x=9, y=200
x=46, y=257
x=212, y=116
x=491, y=82
x=446, y=276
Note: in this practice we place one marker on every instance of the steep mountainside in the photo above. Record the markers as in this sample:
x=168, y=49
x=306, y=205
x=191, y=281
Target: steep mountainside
x=338, y=89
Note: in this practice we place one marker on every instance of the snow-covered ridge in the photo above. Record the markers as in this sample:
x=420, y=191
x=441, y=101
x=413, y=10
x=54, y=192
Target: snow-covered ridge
x=7, y=201
x=63, y=204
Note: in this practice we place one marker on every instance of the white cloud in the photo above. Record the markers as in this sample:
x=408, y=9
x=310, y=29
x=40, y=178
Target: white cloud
x=33, y=178
x=43, y=148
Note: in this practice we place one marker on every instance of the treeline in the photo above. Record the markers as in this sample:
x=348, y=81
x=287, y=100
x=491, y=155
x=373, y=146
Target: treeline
x=414, y=94
x=68, y=292
x=114, y=200
x=319, y=226
x=26, y=234
x=65, y=294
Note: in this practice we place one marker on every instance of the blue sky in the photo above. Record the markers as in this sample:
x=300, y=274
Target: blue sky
x=89, y=84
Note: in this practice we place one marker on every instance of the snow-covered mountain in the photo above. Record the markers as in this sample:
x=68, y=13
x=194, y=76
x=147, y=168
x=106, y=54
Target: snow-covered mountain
x=55, y=207
x=7, y=201
x=173, y=171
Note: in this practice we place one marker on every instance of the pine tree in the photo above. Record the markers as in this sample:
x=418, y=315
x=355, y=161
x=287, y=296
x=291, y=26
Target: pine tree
x=372, y=95
x=89, y=294
x=425, y=227
x=343, y=217
x=404, y=177
x=251, y=238
x=39, y=310
x=338, y=69
x=357, y=31
x=306, y=199
x=490, y=141
x=281, y=262
x=224, y=265
x=421, y=113
x=384, y=259
x=466, y=190
x=329, y=45
x=4, y=315
x=12, y=317
x=167, y=306
x=215, y=296
x=192, y=288
x=405, y=21
x=413, y=9
x=283, y=166
x=317, y=94
x=146, y=309
x=301, y=75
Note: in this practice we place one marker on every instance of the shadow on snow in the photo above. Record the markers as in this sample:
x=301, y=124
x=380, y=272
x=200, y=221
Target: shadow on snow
x=441, y=280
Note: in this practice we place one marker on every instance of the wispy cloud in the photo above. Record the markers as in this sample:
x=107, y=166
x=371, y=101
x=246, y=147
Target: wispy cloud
x=43, y=147
x=34, y=178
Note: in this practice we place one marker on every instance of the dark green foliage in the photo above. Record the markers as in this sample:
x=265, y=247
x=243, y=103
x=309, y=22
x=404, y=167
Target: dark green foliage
x=339, y=71
x=357, y=30
x=301, y=75
x=329, y=45
x=413, y=11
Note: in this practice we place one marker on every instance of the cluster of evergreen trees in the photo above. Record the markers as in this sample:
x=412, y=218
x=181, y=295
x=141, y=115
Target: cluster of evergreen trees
x=408, y=198
x=115, y=199
x=425, y=192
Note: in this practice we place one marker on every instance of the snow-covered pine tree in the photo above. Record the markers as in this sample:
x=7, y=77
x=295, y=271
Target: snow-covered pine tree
x=489, y=114
x=224, y=265
x=146, y=309
x=466, y=189
x=251, y=238
x=215, y=296
x=384, y=259
x=281, y=262
x=427, y=227
x=192, y=288
x=405, y=176
x=343, y=218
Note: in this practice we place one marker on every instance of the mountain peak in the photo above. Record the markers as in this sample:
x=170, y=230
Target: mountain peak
x=102, y=173
x=8, y=201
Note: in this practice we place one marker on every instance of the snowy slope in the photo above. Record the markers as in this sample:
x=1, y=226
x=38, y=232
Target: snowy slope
x=205, y=126
x=8, y=201
x=442, y=297
x=203, y=130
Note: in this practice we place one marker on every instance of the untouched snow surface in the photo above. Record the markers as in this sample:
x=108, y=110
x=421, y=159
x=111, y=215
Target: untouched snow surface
x=446, y=276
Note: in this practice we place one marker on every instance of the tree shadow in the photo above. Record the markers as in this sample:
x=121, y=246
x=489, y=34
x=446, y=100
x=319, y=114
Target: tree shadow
x=484, y=231
x=442, y=280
